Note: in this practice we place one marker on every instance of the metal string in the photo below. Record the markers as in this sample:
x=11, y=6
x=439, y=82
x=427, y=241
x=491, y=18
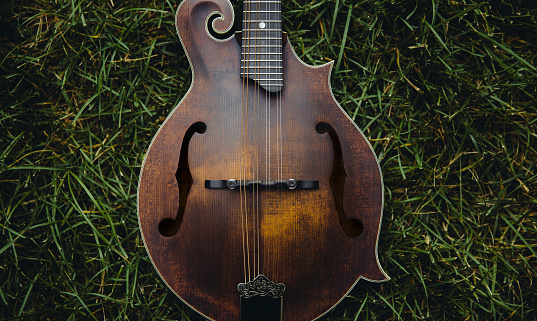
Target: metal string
x=244, y=143
x=256, y=138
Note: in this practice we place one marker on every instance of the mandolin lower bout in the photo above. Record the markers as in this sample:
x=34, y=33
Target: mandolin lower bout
x=317, y=242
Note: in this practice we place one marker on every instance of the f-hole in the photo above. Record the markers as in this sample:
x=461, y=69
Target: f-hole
x=169, y=227
x=352, y=227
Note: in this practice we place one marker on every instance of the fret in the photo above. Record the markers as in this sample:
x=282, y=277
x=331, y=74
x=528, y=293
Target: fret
x=273, y=76
x=261, y=38
x=261, y=70
x=264, y=73
x=263, y=79
x=268, y=18
x=255, y=55
x=260, y=54
x=274, y=63
x=253, y=46
x=262, y=60
x=262, y=21
x=268, y=68
x=270, y=48
x=262, y=11
x=250, y=29
x=262, y=46
x=262, y=1
x=273, y=32
x=262, y=67
x=255, y=71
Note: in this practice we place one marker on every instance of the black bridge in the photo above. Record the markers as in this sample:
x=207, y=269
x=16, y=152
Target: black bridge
x=264, y=184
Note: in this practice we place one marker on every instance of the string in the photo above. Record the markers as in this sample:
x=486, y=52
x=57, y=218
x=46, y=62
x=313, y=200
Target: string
x=280, y=166
x=244, y=73
x=269, y=156
x=259, y=66
x=269, y=63
x=279, y=150
x=256, y=134
x=278, y=7
x=245, y=146
x=267, y=176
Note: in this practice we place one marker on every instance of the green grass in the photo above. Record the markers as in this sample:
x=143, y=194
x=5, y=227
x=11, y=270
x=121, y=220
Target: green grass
x=445, y=91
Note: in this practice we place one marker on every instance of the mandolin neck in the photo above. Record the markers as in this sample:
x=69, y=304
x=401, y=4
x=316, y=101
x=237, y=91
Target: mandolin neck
x=262, y=43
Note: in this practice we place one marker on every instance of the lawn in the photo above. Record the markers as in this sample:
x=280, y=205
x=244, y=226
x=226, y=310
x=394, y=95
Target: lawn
x=443, y=89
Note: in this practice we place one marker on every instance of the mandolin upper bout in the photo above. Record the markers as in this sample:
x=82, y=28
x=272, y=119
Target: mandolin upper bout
x=203, y=241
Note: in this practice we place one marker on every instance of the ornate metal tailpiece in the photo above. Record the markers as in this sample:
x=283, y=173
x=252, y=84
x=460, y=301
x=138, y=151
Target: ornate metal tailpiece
x=262, y=286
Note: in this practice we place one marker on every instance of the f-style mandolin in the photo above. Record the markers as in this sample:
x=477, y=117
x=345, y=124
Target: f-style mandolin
x=259, y=198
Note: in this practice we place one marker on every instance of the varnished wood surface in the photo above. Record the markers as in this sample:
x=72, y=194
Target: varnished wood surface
x=303, y=243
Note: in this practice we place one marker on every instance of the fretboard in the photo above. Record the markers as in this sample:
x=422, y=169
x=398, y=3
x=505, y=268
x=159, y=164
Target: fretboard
x=261, y=58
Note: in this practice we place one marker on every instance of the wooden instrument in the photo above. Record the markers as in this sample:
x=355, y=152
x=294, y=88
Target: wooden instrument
x=259, y=198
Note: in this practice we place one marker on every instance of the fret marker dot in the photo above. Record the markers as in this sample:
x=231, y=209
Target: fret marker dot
x=262, y=25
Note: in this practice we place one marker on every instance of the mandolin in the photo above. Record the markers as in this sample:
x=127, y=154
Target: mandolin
x=259, y=198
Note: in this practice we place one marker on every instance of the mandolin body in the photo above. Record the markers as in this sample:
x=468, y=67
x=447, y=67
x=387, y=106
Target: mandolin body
x=318, y=242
